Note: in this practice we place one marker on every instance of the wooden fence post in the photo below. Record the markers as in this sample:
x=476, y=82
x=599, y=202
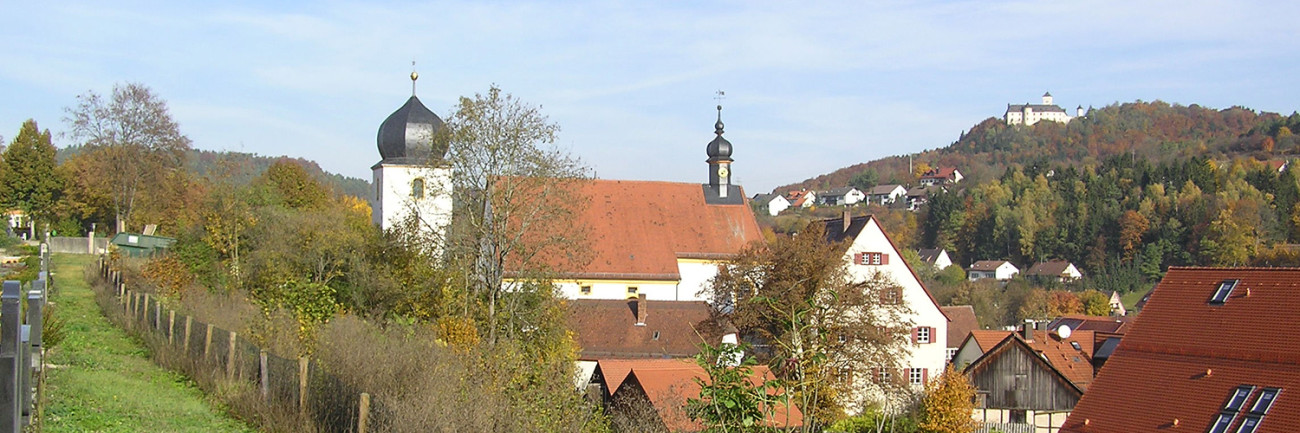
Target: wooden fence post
x=157, y=314
x=363, y=415
x=186, y=346
x=302, y=385
x=230, y=358
x=171, y=326
x=207, y=342
x=264, y=375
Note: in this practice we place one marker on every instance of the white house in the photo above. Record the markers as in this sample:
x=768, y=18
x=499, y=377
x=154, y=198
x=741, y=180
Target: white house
x=941, y=176
x=887, y=194
x=1057, y=270
x=871, y=253
x=937, y=257
x=1029, y=114
x=1000, y=270
x=774, y=203
x=802, y=198
x=841, y=196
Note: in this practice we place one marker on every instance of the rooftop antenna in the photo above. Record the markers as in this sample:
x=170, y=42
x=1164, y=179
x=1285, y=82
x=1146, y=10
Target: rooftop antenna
x=414, y=76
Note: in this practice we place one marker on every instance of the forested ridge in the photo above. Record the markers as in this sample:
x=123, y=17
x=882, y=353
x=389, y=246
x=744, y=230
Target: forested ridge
x=1143, y=185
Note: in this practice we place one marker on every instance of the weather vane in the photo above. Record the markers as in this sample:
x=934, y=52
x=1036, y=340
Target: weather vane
x=719, y=96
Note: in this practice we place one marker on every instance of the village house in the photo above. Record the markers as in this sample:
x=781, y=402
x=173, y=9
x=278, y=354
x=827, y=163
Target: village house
x=1209, y=354
x=870, y=253
x=941, y=176
x=801, y=199
x=651, y=395
x=937, y=257
x=1059, y=271
x=1000, y=270
x=887, y=194
x=773, y=204
x=973, y=346
x=1032, y=377
x=841, y=196
x=961, y=322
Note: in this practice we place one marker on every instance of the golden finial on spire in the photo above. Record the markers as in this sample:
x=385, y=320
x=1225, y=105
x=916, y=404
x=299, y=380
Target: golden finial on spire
x=414, y=76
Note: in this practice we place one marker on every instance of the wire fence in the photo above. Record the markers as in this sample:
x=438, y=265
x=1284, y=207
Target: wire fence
x=300, y=386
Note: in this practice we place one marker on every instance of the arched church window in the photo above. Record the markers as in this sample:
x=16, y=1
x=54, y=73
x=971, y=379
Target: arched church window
x=417, y=188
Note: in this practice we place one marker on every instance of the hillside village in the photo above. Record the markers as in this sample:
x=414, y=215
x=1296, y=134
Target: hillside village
x=632, y=302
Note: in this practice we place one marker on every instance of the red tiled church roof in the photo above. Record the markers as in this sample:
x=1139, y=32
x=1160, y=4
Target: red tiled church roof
x=638, y=229
x=1185, y=355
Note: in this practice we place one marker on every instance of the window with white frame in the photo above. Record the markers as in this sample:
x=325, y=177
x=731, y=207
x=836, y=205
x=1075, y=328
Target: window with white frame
x=952, y=353
x=923, y=335
x=916, y=376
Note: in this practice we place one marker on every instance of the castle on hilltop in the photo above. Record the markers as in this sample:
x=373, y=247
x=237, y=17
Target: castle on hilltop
x=1029, y=114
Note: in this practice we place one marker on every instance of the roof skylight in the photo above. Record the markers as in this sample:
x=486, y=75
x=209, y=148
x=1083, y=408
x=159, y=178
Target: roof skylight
x=1225, y=289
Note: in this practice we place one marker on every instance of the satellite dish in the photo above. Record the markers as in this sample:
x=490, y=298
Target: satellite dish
x=1063, y=331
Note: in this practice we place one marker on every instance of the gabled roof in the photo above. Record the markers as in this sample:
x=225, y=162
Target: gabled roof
x=940, y=173
x=1035, y=107
x=613, y=371
x=669, y=386
x=836, y=231
x=962, y=322
x=1080, y=322
x=607, y=328
x=796, y=198
x=638, y=229
x=1185, y=355
x=885, y=189
x=1054, y=268
x=986, y=339
x=929, y=255
x=838, y=191
x=988, y=265
x=1072, y=365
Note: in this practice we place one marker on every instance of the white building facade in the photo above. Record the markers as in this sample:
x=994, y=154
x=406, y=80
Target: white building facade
x=412, y=180
x=1029, y=114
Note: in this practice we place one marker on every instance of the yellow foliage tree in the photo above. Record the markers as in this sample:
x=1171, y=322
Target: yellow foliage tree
x=948, y=405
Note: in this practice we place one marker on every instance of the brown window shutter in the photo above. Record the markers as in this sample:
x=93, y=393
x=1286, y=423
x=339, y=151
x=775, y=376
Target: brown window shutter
x=925, y=376
x=884, y=259
x=932, y=336
x=915, y=332
x=857, y=258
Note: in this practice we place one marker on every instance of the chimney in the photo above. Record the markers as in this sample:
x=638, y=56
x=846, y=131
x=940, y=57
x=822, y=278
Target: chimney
x=641, y=308
x=848, y=218
x=1029, y=330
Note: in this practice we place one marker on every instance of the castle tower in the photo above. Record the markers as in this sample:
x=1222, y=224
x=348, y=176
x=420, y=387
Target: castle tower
x=1047, y=98
x=412, y=179
x=719, y=151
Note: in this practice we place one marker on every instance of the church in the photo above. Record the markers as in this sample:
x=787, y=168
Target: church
x=651, y=240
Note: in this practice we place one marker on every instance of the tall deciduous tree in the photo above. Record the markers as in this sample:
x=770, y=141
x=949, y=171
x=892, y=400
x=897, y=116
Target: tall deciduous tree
x=132, y=141
x=28, y=179
x=518, y=197
x=948, y=404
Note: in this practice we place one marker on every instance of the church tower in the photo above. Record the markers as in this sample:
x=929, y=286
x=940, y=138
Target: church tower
x=412, y=179
x=719, y=189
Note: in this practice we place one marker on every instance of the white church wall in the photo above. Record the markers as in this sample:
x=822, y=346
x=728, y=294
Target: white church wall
x=394, y=184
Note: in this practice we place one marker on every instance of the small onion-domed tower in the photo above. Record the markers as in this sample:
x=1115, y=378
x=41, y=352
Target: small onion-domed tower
x=719, y=151
x=412, y=179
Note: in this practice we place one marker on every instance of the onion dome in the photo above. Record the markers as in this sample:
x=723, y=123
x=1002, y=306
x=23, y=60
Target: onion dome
x=719, y=148
x=406, y=136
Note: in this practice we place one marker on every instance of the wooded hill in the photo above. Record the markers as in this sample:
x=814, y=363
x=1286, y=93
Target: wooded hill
x=1128, y=189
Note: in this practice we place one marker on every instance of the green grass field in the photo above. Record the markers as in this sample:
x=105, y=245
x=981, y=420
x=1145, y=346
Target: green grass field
x=102, y=380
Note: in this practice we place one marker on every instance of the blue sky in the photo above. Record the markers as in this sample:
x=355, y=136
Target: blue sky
x=811, y=86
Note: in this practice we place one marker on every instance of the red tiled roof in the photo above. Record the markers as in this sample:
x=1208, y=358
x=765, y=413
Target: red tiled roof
x=1073, y=364
x=615, y=371
x=962, y=322
x=939, y=173
x=988, y=338
x=670, y=386
x=1184, y=356
x=638, y=229
x=607, y=328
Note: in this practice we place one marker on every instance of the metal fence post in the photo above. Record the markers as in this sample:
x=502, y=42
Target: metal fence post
x=10, y=321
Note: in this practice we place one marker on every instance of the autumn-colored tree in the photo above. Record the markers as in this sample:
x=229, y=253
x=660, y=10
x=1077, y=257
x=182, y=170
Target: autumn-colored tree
x=132, y=143
x=1095, y=303
x=291, y=185
x=948, y=404
x=169, y=275
x=1132, y=225
x=795, y=296
x=1061, y=303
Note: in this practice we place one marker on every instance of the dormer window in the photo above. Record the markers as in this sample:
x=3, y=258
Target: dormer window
x=417, y=188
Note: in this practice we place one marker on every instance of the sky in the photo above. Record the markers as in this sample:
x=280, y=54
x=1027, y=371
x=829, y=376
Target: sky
x=810, y=86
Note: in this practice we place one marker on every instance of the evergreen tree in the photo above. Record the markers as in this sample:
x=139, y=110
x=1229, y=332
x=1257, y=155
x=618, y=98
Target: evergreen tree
x=28, y=180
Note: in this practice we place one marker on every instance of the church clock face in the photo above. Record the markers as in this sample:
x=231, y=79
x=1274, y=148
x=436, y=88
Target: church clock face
x=722, y=171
